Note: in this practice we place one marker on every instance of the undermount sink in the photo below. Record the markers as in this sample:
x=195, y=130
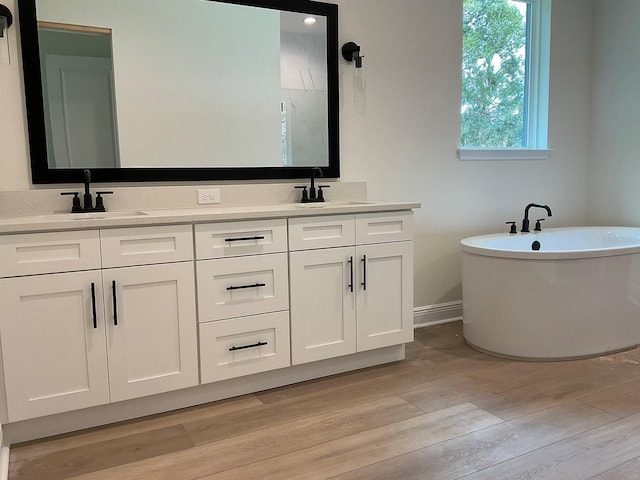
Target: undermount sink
x=62, y=217
x=348, y=203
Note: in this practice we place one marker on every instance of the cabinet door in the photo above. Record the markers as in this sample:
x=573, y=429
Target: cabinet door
x=385, y=295
x=53, y=343
x=151, y=327
x=322, y=304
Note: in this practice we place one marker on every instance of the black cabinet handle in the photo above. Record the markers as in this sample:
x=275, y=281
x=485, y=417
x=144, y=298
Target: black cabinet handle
x=243, y=239
x=351, y=274
x=259, y=344
x=255, y=285
x=364, y=272
x=115, y=303
x=93, y=305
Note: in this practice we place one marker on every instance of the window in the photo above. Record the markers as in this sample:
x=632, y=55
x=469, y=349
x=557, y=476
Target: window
x=505, y=78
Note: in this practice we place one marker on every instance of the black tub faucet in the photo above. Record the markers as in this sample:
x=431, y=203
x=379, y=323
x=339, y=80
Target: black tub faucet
x=525, y=220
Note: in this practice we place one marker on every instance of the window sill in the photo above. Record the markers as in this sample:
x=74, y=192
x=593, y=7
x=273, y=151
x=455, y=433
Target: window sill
x=504, y=153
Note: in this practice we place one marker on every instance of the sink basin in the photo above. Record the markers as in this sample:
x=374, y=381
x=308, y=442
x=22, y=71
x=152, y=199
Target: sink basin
x=63, y=217
x=331, y=204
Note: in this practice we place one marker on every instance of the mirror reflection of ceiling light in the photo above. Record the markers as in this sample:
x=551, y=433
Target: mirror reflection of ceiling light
x=310, y=20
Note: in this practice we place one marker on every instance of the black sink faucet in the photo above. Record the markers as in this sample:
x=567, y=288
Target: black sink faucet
x=312, y=195
x=312, y=187
x=87, y=200
x=525, y=220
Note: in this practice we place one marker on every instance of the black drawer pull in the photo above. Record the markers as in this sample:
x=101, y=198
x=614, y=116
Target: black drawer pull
x=350, y=274
x=243, y=239
x=259, y=344
x=255, y=285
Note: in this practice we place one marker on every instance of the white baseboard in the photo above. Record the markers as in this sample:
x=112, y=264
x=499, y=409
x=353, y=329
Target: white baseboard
x=436, y=314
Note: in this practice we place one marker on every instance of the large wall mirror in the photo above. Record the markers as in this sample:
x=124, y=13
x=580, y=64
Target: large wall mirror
x=166, y=90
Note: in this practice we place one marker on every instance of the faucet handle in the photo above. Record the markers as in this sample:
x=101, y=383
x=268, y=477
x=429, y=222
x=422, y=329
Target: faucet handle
x=320, y=197
x=76, y=207
x=100, y=201
x=513, y=228
x=305, y=193
x=538, y=227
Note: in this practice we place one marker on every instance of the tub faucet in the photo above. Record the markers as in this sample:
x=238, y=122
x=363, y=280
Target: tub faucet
x=525, y=220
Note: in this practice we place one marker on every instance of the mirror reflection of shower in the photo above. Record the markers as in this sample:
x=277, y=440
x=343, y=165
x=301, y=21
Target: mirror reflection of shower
x=304, y=102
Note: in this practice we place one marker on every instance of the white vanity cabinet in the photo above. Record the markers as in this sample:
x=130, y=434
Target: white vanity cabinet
x=351, y=280
x=149, y=285
x=61, y=347
x=243, y=298
x=52, y=324
x=112, y=313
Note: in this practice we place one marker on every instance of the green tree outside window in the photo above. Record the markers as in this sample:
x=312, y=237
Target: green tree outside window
x=494, y=74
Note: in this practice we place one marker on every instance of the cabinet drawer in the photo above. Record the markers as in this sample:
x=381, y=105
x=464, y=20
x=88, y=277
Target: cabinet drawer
x=384, y=227
x=307, y=233
x=28, y=254
x=241, y=286
x=232, y=239
x=146, y=245
x=233, y=348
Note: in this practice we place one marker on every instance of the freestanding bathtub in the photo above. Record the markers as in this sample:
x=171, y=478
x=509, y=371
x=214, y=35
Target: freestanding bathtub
x=577, y=296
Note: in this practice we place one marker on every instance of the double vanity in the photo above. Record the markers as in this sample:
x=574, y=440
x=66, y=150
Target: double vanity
x=161, y=303
x=120, y=314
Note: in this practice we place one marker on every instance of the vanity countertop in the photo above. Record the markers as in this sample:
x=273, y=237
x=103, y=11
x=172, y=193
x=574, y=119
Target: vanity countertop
x=129, y=218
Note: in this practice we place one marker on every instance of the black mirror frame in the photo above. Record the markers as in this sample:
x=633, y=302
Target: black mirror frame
x=42, y=174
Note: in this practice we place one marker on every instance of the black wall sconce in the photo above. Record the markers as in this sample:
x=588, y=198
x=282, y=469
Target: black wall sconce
x=351, y=52
x=6, y=19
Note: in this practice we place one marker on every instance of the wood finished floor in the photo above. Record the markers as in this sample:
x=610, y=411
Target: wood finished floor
x=446, y=412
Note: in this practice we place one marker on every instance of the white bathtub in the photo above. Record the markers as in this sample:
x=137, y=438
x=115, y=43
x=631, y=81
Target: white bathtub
x=578, y=296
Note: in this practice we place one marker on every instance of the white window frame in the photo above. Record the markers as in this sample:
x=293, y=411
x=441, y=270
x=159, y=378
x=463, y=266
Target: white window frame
x=537, y=120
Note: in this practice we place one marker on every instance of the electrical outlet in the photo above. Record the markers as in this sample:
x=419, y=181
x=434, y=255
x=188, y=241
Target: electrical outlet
x=208, y=195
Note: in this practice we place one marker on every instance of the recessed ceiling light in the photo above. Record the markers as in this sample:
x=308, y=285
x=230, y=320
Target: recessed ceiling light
x=310, y=20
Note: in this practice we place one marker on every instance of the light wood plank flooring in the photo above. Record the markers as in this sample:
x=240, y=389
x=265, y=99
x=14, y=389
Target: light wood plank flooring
x=446, y=412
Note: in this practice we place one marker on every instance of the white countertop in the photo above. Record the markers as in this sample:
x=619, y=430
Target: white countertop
x=129, y=218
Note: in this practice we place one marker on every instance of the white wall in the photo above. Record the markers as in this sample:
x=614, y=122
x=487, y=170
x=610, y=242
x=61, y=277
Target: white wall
x=614, y=174
x=400, y=129
x=13, y=136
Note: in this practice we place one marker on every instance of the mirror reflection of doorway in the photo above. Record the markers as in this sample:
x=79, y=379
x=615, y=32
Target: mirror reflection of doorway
x=78, y=89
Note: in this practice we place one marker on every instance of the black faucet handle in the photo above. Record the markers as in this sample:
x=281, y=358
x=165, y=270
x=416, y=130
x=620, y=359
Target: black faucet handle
x=76, y=207
x=100, y=201
x=320, y=197
x=513, y=228
x=305, y=193
x=538, y=227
